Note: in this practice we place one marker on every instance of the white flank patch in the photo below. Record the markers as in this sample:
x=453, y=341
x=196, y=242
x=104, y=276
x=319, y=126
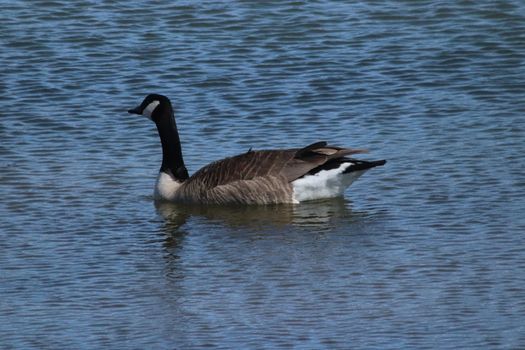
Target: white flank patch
x=166, y=187
x=324, y=184
x=148, y=111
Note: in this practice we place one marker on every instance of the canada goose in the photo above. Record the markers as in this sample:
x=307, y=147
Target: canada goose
x=255, y=177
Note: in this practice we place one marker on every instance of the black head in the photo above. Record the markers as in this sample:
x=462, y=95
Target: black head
x=153, y=107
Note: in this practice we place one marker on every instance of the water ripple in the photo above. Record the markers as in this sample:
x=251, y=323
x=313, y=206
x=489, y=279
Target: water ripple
x=423, y=253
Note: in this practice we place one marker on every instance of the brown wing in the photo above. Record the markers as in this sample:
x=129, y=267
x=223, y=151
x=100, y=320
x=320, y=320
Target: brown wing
x=246, y=166
x=287, y=164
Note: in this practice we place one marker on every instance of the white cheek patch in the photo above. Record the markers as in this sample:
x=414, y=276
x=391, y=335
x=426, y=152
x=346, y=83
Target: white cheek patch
x=148, y=111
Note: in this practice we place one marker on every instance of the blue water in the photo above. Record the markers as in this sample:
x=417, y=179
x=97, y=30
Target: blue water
x=427, y=252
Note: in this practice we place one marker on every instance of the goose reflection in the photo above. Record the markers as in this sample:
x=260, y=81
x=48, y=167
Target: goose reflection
x=318, y=215
x=222, y=230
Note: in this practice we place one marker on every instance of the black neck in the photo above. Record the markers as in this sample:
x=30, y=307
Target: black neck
x=172, y=162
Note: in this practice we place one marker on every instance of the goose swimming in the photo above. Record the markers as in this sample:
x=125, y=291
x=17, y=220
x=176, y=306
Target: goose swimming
x=255, y=177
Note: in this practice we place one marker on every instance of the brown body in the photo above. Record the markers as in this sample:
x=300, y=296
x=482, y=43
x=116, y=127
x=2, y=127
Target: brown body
x=256, y=177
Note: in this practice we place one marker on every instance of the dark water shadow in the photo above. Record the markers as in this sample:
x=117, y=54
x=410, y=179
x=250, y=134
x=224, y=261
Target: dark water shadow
x=249, y=222
x=315, y=215
x=226, y=230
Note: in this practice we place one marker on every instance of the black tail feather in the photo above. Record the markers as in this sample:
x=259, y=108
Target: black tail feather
x=363, y=165
x=356, y=165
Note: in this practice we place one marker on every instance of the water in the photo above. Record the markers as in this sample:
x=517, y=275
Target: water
x=424, y=253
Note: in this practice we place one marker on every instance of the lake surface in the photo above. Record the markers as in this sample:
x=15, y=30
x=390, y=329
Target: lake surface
x=427, y=252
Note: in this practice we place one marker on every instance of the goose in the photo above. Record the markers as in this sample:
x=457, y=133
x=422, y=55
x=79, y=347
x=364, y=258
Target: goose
x=293, y=175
